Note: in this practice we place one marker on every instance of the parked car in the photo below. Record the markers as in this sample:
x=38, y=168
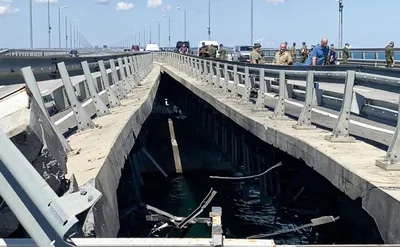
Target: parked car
x=179, y=44
x=152, y=47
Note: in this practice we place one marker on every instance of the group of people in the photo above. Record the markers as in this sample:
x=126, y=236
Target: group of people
x=318, y=55
x=211, y=51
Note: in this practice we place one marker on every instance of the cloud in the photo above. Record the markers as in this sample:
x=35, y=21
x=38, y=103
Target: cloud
x=45, y=1
x=5, y=8
x=123, y=6
x=166, y=7
x=154, y=3
x=275, y=1
x=102, y=1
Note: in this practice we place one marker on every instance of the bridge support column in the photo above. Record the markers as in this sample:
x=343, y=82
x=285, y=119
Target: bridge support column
x=341, y=131
x=82, y=118
x=260, y=102
x=116, y=82
x=304, y=121
x=112, y=98
x=101, y=108
x=217, y=237
x=279, y=112
x=128, y=88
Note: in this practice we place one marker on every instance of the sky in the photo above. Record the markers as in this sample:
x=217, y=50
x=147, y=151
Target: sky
x=367, y=23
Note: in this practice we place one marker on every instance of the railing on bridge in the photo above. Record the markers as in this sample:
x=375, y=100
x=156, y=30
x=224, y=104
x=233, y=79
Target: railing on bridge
x=240, y=80
x=38, y=52
x=50, y=220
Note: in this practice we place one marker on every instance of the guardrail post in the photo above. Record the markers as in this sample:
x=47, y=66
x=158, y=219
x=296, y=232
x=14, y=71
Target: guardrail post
x=260, y=102
x=217, y=237
x=234, y=92
x=101, y=108
x=139, y=77
x=218, y=72
x=113, y=100
x=226, y=79
x=211, y=74
x=304, y=121
x=48, y=219
x=115, y=78
x=279, y=111
x=391, y=162
x=198, y=69
x=202, y=70
x=341, y=131
x=133, y=70
x=127, y=86
x=82, y=118
x=129, y=73
x=247, y=86
x=44, y=116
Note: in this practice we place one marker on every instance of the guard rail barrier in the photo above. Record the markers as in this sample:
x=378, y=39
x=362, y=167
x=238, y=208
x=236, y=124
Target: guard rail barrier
x=239, y=80
x=45, y=68
x=49, y=219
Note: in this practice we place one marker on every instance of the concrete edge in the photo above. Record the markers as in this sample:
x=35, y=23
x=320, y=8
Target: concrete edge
x=106, y=215
x=351, y=184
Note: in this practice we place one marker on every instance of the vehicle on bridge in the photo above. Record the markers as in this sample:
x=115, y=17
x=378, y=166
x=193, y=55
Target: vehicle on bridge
x=74, y=53
x=179, y=45
x=242, y=52
x=152, y=47
x=135, y=48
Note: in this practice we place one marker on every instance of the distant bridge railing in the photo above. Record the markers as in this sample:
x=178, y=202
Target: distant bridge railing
x=39, y=52
x=242, y=80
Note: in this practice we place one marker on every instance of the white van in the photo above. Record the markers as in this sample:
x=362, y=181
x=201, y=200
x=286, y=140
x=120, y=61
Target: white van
x=152, y=47
x=207, y=43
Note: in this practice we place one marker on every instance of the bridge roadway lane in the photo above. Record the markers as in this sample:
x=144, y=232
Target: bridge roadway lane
x=348, y=166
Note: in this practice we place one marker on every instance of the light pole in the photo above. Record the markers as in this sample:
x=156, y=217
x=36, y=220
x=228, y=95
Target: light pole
x=184, y=23
x=340, y=23
x=59, y=25
x=66, y=31
x=251, y=22
x=76, y=34
x=139, y=40
x=31, y=23
x=158, y=23
x=209, y=20
x=48, y=19
x=144, y=36
x=169, y=30
x=70, y=31
x=150, y=33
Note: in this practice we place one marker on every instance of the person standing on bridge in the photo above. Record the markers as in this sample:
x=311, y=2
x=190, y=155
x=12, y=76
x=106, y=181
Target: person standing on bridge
x=212, y=51
x=222, y=52
x=293, y=51
x=203, y=50
x=283, y=57
x=346, y=53
x=389, y=54
x=303, y=52
x=255, y=55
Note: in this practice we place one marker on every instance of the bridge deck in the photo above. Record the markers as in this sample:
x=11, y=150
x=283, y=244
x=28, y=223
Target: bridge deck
x=349, y=166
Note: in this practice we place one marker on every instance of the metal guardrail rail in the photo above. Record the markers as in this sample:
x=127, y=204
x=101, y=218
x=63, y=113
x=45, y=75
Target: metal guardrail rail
x=39, y=52
x=45, y=68
x=238, y=80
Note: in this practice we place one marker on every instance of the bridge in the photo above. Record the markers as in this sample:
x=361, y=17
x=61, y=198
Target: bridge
x=83, y=127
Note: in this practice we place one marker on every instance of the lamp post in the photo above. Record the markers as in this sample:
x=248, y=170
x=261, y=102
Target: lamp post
x=144, y=36
x=76, y=34
x=251, y=22
x=184, y=23
x=340, y=23
x=139, y=40
x=158, y=23
x=59, y=24
x=66, y=31
x=48, y=20
x=70, y=31
x=169, y=30
x=209, y=20
x=31, y=23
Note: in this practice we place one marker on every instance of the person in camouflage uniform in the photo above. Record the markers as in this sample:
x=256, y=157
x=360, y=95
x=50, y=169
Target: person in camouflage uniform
x=389, y=54
x=303, y=52
x=293, y=51
x=222, y=52
x=345, y=53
